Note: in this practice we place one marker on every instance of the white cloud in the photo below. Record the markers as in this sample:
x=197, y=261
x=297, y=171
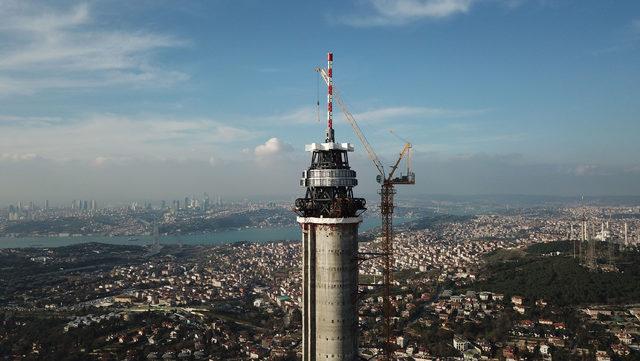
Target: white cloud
x=225, y=133
x=421, y=8
x=215, y=161
x=18, y=157
x=632, y=169
x=399, y=12
x=301, y=115
x=27, y=18
x=389, y=113
x=402, y=12
x=27, y=120
x=308, y=115
x=103, y=161
x=42, y=41
x=106, y=139
x=272, y=147
x=586, y=170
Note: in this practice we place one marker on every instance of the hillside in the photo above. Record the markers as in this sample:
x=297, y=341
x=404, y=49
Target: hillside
x=560, y=279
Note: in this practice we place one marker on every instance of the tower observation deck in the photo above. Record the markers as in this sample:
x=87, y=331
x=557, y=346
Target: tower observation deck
x=329, y=216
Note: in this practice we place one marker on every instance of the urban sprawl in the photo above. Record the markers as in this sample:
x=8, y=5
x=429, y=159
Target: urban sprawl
x=242, y=300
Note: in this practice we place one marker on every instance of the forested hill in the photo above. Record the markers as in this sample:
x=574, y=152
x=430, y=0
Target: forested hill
x=434, y=220
x=560, y=279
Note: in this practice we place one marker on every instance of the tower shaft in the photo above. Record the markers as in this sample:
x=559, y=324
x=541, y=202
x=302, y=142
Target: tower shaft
x=626, y=234
x=330, y=315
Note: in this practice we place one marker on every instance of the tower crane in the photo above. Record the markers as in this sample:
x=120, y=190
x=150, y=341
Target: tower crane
x=387, y=192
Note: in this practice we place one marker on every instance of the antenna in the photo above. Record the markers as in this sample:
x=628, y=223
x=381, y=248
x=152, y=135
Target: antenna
x=571, y=239
x=583, y=237
x=156, y=234
x=330, y=135
x=592, y=246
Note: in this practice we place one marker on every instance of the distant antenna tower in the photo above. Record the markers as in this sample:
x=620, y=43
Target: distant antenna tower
x=626, y=234
x=583, y=239
x=572, y=240
x=156, y=234
x=583, y=232
x=610, y=243
x=591, y=262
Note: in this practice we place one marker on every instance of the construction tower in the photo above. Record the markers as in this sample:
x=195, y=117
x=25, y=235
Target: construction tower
x=329, y=216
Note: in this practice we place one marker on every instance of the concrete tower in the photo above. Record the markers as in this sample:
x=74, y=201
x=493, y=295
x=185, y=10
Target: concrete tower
x=329, y=216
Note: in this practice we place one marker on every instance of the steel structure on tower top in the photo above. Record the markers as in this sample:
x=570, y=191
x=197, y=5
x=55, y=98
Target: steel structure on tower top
x=329, y=180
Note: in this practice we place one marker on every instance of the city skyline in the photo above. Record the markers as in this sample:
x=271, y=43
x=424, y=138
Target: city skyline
x=153, y=100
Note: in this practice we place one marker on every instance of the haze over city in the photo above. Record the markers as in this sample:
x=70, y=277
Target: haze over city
x=379, y=180
x=123, y=100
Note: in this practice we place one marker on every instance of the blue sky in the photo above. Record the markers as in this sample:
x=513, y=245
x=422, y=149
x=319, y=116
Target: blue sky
x=498, y=96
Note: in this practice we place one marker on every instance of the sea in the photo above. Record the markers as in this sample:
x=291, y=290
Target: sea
x=211, y=238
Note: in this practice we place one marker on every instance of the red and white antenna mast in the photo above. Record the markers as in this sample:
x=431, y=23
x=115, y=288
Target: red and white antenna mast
x=330, y=137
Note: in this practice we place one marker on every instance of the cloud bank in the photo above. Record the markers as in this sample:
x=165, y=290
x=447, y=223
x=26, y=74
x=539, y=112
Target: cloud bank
x=402, y=12
x=106, y=138
x=50, y=48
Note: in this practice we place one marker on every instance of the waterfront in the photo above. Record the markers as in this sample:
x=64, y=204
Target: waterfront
x=211, y=238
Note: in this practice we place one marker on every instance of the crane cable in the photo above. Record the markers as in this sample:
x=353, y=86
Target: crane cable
x=318, y=98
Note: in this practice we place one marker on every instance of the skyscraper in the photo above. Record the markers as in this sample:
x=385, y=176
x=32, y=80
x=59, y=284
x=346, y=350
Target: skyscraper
x=205, y=203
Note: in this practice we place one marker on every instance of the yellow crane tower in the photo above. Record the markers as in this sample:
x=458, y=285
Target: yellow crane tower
x=387, y=192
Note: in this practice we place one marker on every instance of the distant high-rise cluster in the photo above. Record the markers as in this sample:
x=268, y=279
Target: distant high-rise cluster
x=194, y=203
x=84, y=205
x=31, y=210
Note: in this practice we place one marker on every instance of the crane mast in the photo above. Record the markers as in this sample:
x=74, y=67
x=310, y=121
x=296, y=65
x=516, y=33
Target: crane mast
x=387, y=192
